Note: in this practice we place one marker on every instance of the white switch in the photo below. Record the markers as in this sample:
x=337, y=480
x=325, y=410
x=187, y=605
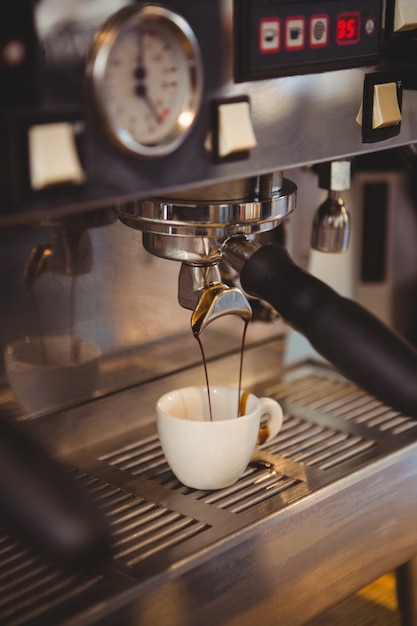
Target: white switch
x=386, y=110
x=235, y=128
x=53, y=156
x=405, y=16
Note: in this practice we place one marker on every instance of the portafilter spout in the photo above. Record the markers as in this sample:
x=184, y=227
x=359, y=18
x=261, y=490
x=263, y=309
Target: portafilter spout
x=201, y=290
x=357, y=343
x=70, y=252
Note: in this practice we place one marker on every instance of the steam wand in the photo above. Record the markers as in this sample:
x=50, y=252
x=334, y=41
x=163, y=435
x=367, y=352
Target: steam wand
x=331, y=225
x=358, y=344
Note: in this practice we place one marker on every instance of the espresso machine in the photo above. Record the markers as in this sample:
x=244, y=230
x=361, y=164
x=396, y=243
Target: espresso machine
x=177, y=170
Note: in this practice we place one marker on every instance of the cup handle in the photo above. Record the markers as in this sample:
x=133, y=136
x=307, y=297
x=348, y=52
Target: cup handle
x=272, y=427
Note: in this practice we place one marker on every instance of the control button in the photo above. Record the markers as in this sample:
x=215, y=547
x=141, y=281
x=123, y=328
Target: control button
x=386, y=111
x=405, y=16
x=53, y=157
x=269, y=35
x=295, y=33
x=13, y=53
x=380, y=112
x=235, y=131
x=370, y=26
x=319, y=31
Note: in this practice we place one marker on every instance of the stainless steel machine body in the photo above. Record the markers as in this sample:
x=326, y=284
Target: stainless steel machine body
x=304, y=115
x=333, y=498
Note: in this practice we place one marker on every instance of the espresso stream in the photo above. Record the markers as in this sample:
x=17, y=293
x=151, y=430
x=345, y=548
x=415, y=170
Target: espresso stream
x=242, y=399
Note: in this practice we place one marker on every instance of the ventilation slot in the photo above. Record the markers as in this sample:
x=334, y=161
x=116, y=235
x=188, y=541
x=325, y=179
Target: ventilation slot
x=140, y=528
x=31, y=587
x=257, y=484
x=144, y=458
x=153, y=532
x=376, y=415
x=316, y=445
x=341, y=399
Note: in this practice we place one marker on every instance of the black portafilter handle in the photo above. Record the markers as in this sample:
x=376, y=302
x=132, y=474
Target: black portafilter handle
x=359, y=345
x=44, y=506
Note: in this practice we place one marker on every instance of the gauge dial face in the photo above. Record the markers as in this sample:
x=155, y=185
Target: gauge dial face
x=146, y=79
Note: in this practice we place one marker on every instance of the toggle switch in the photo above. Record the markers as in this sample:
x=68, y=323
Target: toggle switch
x=53, y=156
x=386, y=110
x=405, y=15
x=233, y=134
x=380, y=112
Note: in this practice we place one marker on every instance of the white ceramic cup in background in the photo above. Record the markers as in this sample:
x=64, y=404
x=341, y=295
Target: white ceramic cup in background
x=206, y=454
x=50, y=371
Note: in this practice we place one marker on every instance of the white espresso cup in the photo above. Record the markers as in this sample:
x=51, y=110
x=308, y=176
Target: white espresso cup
x=212, y=454
x=50, y=371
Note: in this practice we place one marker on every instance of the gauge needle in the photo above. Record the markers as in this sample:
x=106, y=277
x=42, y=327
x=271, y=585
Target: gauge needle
x=140, y=75
x=142, y=92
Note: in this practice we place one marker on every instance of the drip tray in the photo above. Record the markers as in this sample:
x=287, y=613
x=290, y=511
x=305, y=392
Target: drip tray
x=327, y=505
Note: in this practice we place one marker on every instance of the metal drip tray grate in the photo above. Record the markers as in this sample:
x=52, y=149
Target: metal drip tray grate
x=259, y=482
x=31, y=588
x=331, y=429
x=317, y=446
x=341, y=400
x=141, y=528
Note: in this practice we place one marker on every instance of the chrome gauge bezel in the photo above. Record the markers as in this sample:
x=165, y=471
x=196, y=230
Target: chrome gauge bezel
x=110, y=34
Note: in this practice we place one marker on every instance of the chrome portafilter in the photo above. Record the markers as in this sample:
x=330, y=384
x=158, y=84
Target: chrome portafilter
x=192, y=226
x=201, y=232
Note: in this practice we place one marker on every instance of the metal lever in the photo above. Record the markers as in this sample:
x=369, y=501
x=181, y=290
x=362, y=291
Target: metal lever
x=201, y=290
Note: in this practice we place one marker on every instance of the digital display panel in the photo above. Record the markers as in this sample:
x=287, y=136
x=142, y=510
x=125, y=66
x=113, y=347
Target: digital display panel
x=348, y=28
x=290, y=37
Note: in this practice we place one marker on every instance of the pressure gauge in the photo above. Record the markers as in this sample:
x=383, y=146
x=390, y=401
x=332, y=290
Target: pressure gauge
x=145, y=79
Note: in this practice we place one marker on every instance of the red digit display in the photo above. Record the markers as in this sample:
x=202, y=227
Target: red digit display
x=348, y=28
